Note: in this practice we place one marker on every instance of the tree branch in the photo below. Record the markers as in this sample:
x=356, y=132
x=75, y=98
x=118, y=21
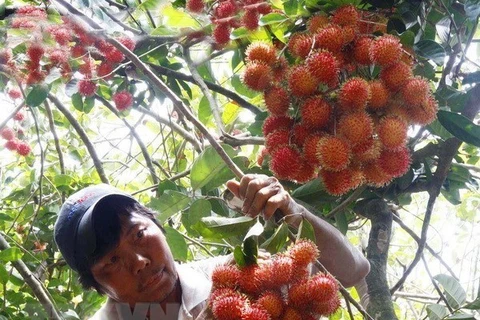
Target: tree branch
x=442, y=296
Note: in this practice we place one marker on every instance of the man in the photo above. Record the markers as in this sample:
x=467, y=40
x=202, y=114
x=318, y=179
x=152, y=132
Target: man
x=118, y=248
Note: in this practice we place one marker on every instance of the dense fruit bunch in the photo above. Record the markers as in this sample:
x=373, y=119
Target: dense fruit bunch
x=227, y=15
x=326, y=118
x=278, y=288
x=14, y=141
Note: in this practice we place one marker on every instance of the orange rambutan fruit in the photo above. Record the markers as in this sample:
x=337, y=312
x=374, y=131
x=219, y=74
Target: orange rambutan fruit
x=337, y=183
x=291, y=314
x=305, y=173
x=229, y=308
x=277, y=100
x=255, y=312
x=322, y=287
x=316, y=23
x=333, y=153
x=300, y=274
x=272, y=123
x=303, y=252
x=346, y=16
x=361, y=50
x=281, y=270
x=379, y=95
x=375, y=176
x=300, y=132
x=425, y=113
x=310, y=148
x=328, y=307
x=416, y=91
x=395, y=162
x=220, y=293
x=324, y=66
x=356, y=127
x=257, y=76
x=298, y=296
x=354, y=94
x=348, y=34
x=392, y=132
x=386, y=50
x=396, y=75
x=248, y=281
x=277, y=139
x=329, y=38
x=225, y=276
x=300, y=45
x=261, y=156
x=261, y=51
x=316, y=112
x=285, y=162
x=399, y=109
x=301, y=82
x=280, y=69
x=367, y=150
x=272, y=302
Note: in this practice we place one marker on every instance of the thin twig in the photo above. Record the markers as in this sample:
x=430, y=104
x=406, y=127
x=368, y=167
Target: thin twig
x=353, y=197
x=442, y=296
x=120, y=23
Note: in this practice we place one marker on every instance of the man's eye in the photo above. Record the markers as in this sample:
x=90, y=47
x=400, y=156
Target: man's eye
x=113, y=260
x=140, y=233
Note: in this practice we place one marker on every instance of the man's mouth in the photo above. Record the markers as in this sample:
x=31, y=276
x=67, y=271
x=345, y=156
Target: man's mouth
x=153, y=280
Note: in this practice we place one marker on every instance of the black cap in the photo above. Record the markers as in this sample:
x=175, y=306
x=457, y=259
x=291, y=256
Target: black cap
x=74, y=229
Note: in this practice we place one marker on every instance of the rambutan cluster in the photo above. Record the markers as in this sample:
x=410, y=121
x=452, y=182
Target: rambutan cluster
x=227, y=15
x=275, y=289
x=13, y=142
x=326, y=119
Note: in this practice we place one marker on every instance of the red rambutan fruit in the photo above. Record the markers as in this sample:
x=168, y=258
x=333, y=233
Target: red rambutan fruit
x=123, y=100
x=279, y=70
x=228, y=308
x=328, y=307
x=277, y=139
x=195, y=6
x=303, y=252
x=396, y=75
x=316, y=23
x=272, y=302
x=35, y=52
x=276, y=100
x=31, y=11
x=291, y=314
x=23, y=148
x=250, y=19
x=324, y=66
x=7, y=133
x=425, y=113
x=225, y=276
x=300, y=132
x=61, y=34
x=257, y=76
x=301, y=82
x=281, y=270
x=361, y=50
x=346, y=16
x=248, y=280
x=225, y=9
x=392, y=132
x=285, y=162
x=272, y=123
x=104, y=70
x=261, y=156
x=367, y=150
x=58, y=56
x=354, y=94
x=262, y=52
x=329, y=38
x=127, y=42
x=19, y=116
x=11, y=144
x=322, y=287
x=375, y=176
x=356, y=127
x=337, y=183
x=395, y=162
x=379, y=95
x=416, y=91
x=300, y=45
x=386, y=50
x=78, y=51
x=348, y=34
x=305, y=173
x=220, y=293
x=310, y=148
x=399, y=109
x=87, y=67
x=114, y=55
x=333, y=153
x=23, y=23
x=316, y=112
x=255, y=312
x=298, y=297
x=87, y=88
x=14, y=94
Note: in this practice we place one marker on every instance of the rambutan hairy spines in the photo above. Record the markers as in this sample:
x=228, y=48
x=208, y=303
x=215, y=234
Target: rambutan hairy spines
x=310, y=148
x=316, y=112
x=416, y=91
x=23, y=148
x=11, y=144
x=354, y=94
x=7, y=133
x=221, y=33
x=300, y=132
x=329, y=38
x=123, y=100
x=327, y=308
x=281, y=269
x=305, y=173
x=322, y=287
x=250, y=19
x=396, y=75
x=323, y=65
x=367, y=151
x=225, y=276
x=272, y=302
x=425, y=113
x=301, y=82
x=300, y=45
x=286, y=162
x=361, y=50
x=229, y=308
x=317, y=22
x=333, y=153
x=272, y=123
x=87, y=88
x=375, y=176
x=392, y=132
x=220, y=293
x=277, y=100
x=346, y=16
x=261, y=51
x=255, y=312
x=277, y=139
x=337, y=183
x=298, y=295
x=386, y=50
x=248, y=281
x=195, y=6
x=257, y=76
x=395, y=162
x=379, y=95
x=356, y=127
x=303, y=252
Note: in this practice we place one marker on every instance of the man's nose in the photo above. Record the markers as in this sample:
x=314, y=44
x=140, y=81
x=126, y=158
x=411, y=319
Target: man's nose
x=139, y=263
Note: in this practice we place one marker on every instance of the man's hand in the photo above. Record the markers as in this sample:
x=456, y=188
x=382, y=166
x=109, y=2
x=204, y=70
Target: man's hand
x=262, y=194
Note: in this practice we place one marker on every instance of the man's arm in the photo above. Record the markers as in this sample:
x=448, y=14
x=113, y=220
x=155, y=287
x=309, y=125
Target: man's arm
x=263, y=194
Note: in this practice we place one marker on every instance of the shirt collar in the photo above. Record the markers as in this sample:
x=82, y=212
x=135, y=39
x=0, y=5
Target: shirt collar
x=195, y=286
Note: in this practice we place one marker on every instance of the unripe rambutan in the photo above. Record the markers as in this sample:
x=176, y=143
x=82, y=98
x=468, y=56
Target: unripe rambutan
x=379, y=95
x=228, y=308
x=367, y=150
x=195, y=6
x=333, y=153
x=324, y=66
x=310, y=148
x=316, y=112
x=392, y=132
x=361, y=50
x=123, y=100
x=23, y=148
x=19, y=116
x=11, y=144
x=301, y=82
x=329, y=38
x=322, y=287
x=300, y=45
x=354, y=94
x=395, y=162
x=277, y=100
x=386, y=50
x=316, y=23
x=396, y=75
x=257, y=76
x=303, y=252
x=415, y=91
x=375, y=176
x=272, y=123
x=337, y=183
x=262, y=52
x=87, y=88
x=425, y=113
x=356, y=127
x=277, y=139
x=291, y=314
x=7, y=133
x=255, y=312
x=225, y=276
x=250, y=19
x=285, y=162
x=346, y=16
x=272, y=302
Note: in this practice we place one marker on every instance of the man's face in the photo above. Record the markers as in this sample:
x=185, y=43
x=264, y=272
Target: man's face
x=141, y=267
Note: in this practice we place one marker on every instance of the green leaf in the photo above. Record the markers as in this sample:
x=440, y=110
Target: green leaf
x=77, y=101
x=199, y=209
x=226, y=174
x=436, y=311
x=386, y=4
x=204, y=111
x=250, y=250
x=208, y=165
x=177, y=244
x=407, y=38
x=239, y=256
x=272, y=18
x=291, y=7
x=88, y=104
x=341, y=222
x=62, y=180
x=396, y=24
x=306, y=231
x=474, y=305
x=10, y=254
x=239, y=33
x=460, y=127
x=230, y=113
x=169, y=203
x=431, y=50
x=277, y=240
x=176, y=18
x=454, y=292
x=462, y=316
x=229, y=227
x=255, y=231
x=472, y=9
x=38, y=94
x=4, y=276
